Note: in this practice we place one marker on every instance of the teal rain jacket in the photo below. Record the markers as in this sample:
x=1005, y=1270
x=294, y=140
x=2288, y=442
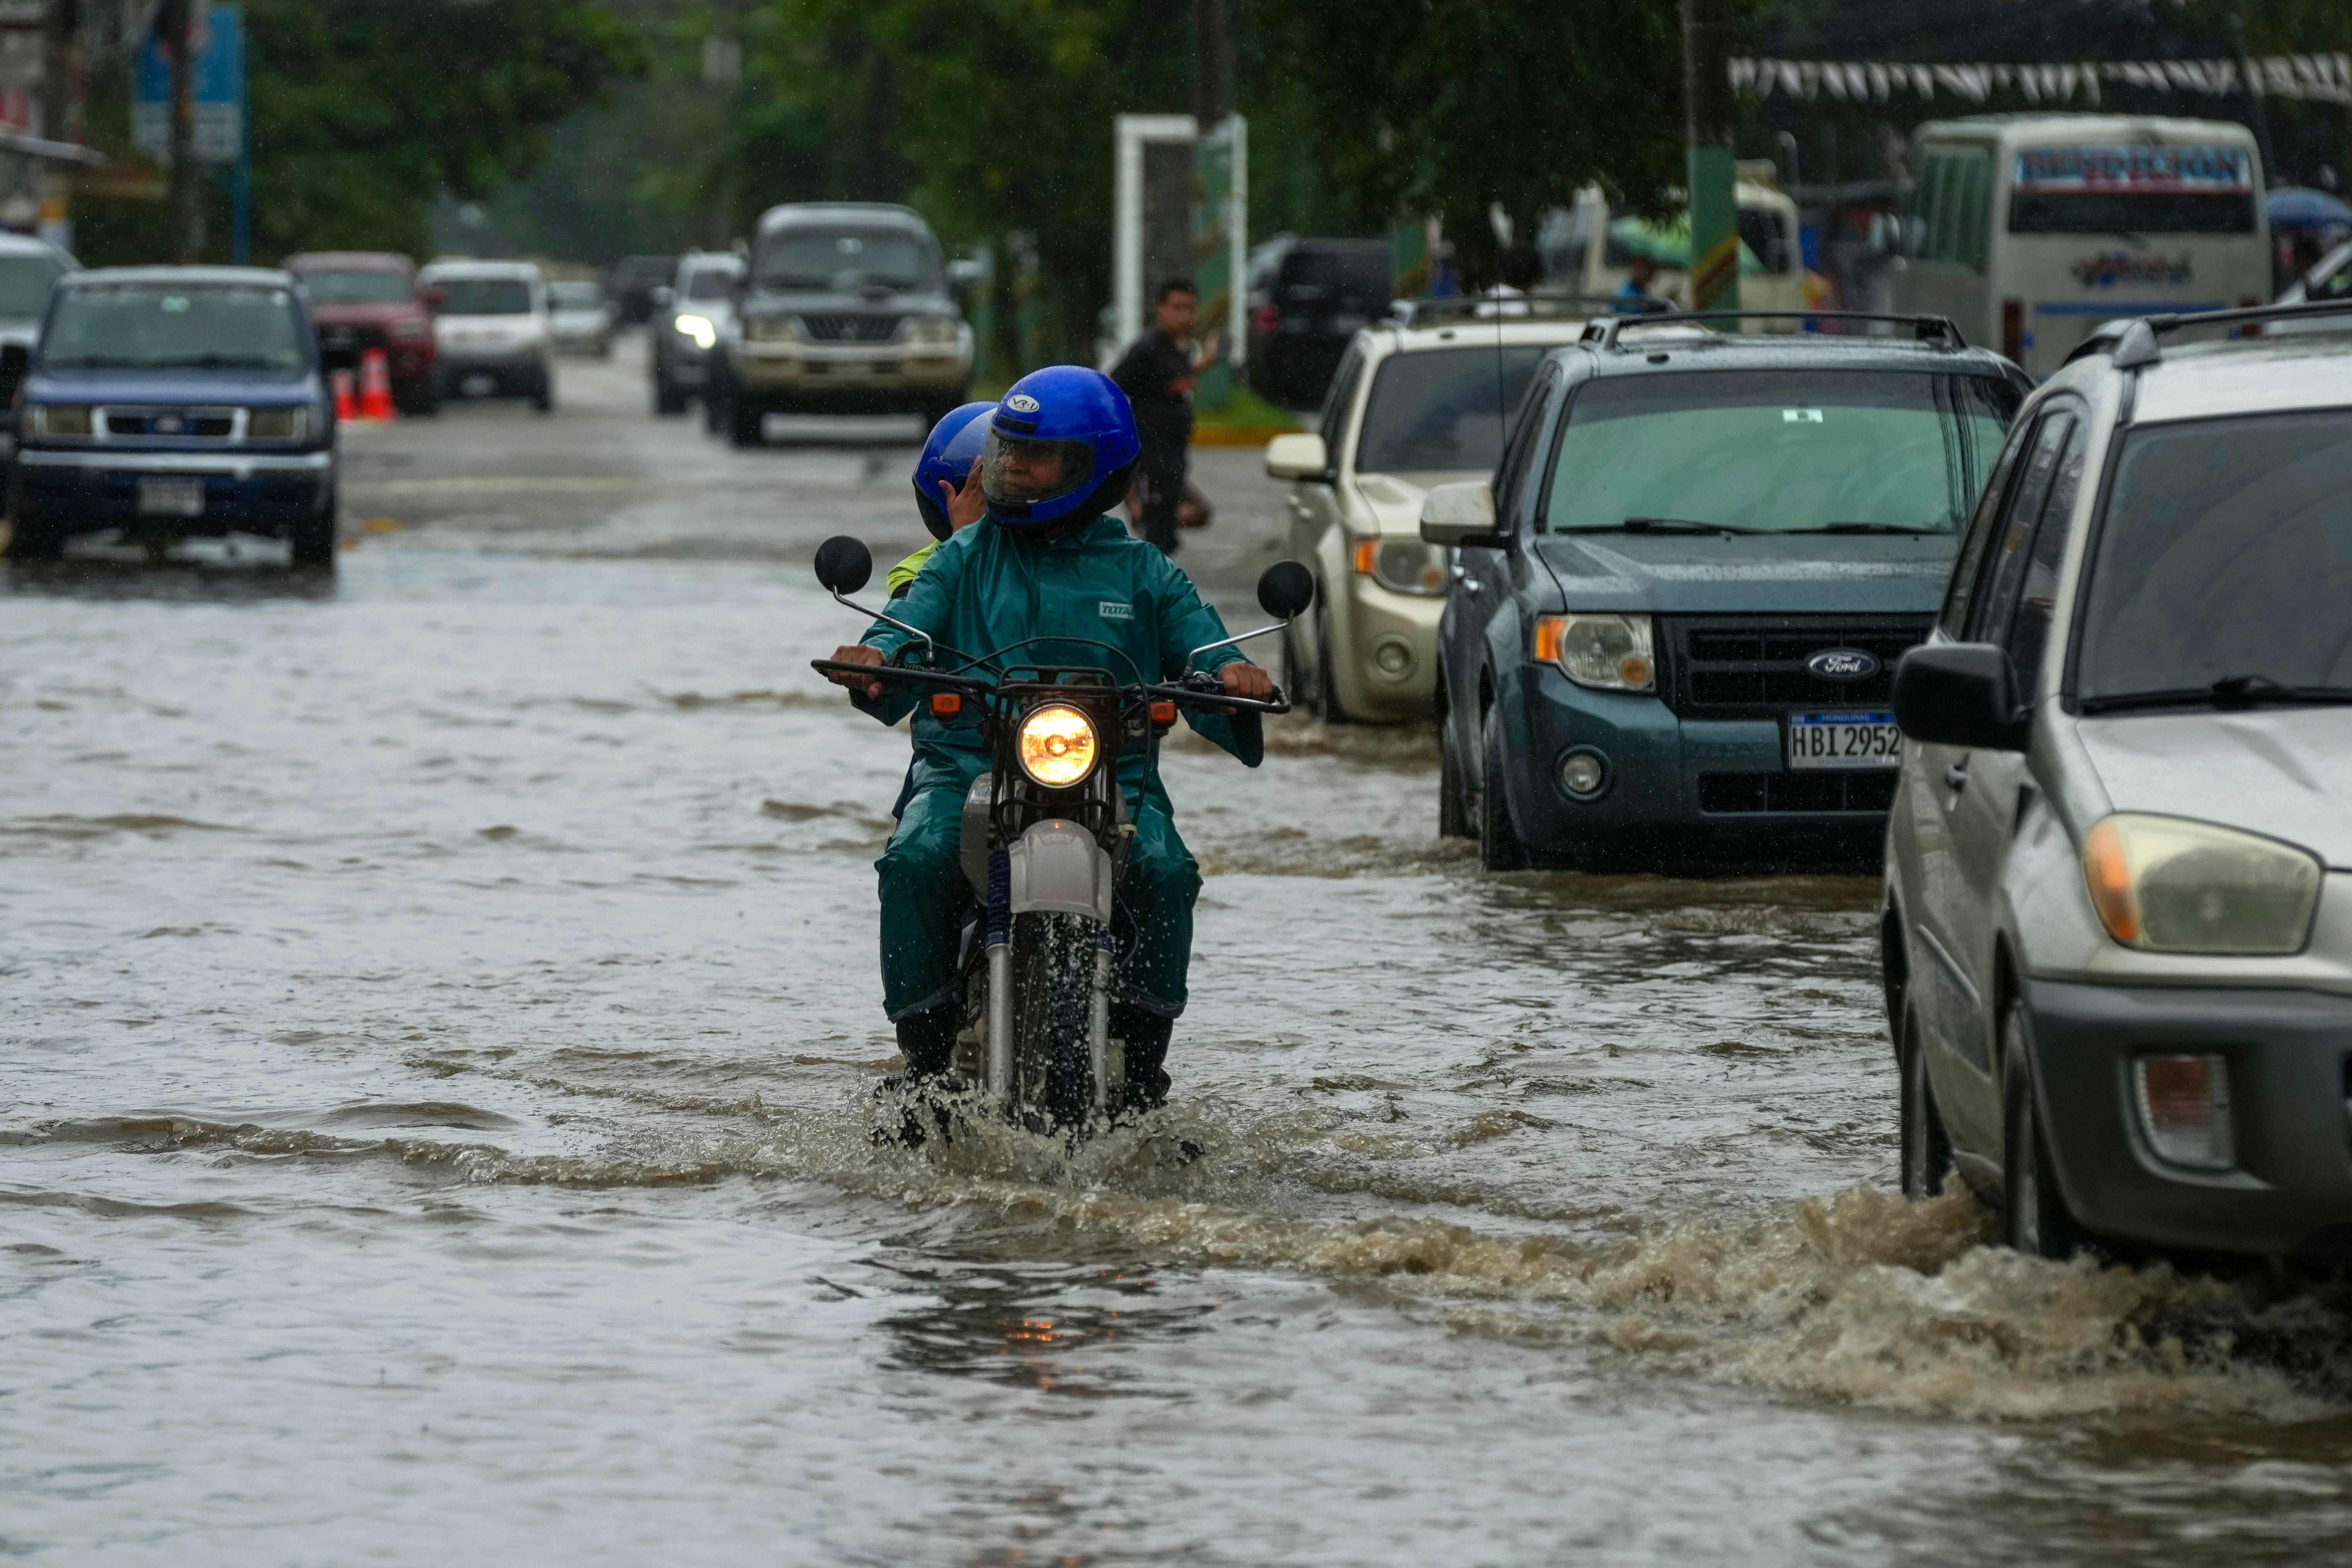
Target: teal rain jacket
x=987, y=587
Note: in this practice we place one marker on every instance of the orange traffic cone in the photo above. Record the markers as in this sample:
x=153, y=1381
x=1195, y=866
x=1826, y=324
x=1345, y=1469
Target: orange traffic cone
x=375, y=385
x=343, y=406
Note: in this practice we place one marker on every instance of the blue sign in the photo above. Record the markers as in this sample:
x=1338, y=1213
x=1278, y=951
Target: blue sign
x=217, y=85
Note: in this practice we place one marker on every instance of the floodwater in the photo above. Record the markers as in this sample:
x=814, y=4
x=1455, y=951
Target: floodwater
x=441, y=1031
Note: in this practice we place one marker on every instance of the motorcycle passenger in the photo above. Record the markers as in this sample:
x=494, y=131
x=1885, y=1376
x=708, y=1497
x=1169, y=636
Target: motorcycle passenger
x=1046, y=562
x=947, y=485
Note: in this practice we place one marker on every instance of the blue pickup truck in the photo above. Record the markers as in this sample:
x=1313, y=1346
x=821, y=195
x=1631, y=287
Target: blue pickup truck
x=165, y=401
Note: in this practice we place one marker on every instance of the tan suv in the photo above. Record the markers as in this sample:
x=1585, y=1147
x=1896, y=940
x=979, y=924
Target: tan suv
x=1419, y=400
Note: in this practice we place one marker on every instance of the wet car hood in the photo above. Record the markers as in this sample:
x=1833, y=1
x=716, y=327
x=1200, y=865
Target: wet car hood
x=198, y=387
x=1753, y=573
x=2285, y=772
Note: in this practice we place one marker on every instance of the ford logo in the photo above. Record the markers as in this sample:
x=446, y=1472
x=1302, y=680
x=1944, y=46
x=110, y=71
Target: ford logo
x=1841, y=663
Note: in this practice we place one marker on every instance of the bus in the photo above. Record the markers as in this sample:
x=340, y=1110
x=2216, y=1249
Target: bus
x=2029, y=230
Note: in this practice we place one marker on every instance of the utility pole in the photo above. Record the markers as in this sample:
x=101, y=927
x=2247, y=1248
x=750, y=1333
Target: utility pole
x=60, y=112
x=2254, y=105
x=174, y=30
x=1213, y=69
x=1710, y=118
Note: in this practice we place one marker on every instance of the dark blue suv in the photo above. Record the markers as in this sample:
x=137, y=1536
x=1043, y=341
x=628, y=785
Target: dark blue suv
x=1676, y=609
x=163, y=402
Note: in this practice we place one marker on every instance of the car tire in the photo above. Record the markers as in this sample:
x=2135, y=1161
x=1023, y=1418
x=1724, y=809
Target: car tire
x=668, y=401
x=311, y=542
x=32, y=537
x=422, y=401
x=2034, y=1218
x=744, y=419
x=543, y=396
x=1326, y=689
x=1926, y=1149
x=1499, y=846
x=1452, y=815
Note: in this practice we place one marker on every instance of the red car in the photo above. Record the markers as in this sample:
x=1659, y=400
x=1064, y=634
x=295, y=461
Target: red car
x=368, y=299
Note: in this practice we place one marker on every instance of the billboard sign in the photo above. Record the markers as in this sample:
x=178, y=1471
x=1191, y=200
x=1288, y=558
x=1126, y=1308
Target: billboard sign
x=218, y=88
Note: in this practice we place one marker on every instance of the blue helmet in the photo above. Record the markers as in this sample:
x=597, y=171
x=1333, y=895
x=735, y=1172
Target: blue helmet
x=955, y=445
x=1062, y=444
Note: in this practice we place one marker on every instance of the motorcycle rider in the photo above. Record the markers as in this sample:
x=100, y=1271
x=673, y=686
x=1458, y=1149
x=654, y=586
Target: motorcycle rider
x=1046, y=563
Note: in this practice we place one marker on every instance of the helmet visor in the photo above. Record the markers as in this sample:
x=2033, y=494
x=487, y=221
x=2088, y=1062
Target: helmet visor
x=1017, y=472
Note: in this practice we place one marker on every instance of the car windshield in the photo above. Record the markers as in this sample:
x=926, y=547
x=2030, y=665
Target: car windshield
x=574, y=296
x=157, y=326
x=1779, y=451
x=2225, y=553
x=484, y=296
x=25, y=285
x=357, y=288
x=709, y=283
x=839, y=260
x=1444, y=409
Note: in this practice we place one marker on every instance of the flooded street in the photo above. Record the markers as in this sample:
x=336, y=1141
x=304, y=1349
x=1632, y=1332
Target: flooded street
x=441, y=1025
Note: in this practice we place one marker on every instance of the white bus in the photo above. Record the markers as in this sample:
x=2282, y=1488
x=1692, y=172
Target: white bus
x=2029, y=230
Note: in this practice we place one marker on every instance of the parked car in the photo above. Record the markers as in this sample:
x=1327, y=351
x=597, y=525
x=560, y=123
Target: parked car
x=171, y=401
x=1418, y=401
x=633, y=282
x=370, y=300
x=1673, y=627
x=29, y=269
x=1308, y=299
x=846, y=310
x=492, y=328
x=580, y=319
x=2117, y=928
x=695, y=312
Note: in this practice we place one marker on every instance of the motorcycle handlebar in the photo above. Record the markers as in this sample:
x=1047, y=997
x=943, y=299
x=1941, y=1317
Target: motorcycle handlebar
x=1187, y=696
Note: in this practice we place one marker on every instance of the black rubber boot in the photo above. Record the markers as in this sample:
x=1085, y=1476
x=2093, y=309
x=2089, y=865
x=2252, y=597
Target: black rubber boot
x=1146, y=1034
x=927, y=1039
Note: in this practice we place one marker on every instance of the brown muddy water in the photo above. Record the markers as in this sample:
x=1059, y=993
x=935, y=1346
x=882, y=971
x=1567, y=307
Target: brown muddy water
x=441, y=1028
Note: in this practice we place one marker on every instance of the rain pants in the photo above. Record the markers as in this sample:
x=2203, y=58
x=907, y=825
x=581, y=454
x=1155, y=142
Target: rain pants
x=985, y=588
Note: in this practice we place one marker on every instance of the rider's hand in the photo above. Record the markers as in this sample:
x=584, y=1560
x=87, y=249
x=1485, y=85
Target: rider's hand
x=965, y=506
x=855, y=653
x=1242, y=678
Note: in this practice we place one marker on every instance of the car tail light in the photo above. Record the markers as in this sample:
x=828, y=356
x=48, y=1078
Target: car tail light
x=2251, y=329
x=2012, y=329
x=2184, y=1109
x=1265, y=319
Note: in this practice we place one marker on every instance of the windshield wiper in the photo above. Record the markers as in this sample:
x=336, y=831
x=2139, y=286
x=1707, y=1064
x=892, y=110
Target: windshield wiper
x=1865, y=527
x=2230, y=692
x=1664, y=525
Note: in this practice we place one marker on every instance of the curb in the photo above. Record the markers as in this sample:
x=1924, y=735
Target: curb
x=1240, y=435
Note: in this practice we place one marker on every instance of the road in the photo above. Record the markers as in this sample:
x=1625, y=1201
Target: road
x=443, y=1028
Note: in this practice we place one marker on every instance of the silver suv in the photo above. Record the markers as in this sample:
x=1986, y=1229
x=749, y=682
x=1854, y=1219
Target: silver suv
x=2118, y=920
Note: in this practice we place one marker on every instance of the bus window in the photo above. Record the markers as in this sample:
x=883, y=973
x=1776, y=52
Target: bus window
x=1923, y=204
x=1975, y=181
x=2154, y=189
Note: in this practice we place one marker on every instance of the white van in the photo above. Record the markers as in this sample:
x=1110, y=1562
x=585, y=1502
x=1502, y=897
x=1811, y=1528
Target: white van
x=490, y=323
x=1579, y=256
x=2029, y=230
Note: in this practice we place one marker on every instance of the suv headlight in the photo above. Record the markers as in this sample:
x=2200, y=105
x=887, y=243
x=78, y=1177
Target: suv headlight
x=769, y=329
x=2169, y=885
x=59, y=420
x=697, y=330
x=276, y=424
x=934, y=331
x=1608, y=653
x=1404, y=566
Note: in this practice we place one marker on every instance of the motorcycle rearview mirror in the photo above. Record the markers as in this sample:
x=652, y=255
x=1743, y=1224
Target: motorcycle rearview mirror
x=1285, y=590
x=844, y=564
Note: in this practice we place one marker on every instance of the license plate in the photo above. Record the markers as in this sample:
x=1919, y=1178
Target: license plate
x=171, y=497
x=1843, y=741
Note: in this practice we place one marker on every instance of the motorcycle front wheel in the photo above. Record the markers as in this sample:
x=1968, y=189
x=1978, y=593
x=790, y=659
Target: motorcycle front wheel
x=1053, y=1009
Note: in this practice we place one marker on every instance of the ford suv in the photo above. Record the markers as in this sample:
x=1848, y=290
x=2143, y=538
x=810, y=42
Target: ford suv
x=846, y=309
x=1676, y=609
x=2117, y=931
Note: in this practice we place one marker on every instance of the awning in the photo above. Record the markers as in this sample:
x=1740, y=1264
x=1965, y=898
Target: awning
x=2326, y=77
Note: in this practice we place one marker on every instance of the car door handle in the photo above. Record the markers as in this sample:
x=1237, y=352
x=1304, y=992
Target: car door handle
x=1956, y=777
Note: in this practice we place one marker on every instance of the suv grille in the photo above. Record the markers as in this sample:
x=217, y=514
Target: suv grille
x=851, y=329
x=212, y=424
x=1750, y=666
x=1858, y=790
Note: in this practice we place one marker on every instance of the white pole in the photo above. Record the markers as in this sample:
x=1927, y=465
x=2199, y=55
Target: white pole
x=1237, y=225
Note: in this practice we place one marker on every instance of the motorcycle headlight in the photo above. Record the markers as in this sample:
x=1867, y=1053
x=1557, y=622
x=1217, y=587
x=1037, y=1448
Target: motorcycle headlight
x=2169, y=885
x=274, y=423
x=1403, y=565
x=60, y=419
x=1609, y=653
x=697, y=330
x=1057, y=745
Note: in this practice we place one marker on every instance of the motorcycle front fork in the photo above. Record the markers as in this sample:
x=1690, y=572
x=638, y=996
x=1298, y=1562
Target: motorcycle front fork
x=1099, y=1045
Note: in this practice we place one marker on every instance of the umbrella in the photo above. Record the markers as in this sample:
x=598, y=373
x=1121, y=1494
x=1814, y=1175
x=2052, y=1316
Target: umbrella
x=2299, y=206
x=1668, y=244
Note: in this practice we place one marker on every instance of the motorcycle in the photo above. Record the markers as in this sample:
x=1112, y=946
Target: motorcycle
x=1045, y=835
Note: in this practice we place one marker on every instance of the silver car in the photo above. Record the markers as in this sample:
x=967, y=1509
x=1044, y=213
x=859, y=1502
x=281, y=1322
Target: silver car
x=2118, y=900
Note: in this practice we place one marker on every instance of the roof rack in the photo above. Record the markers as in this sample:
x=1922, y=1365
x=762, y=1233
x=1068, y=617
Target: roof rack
x=2131, y=340
x=1538, y=305
x=1603, y=335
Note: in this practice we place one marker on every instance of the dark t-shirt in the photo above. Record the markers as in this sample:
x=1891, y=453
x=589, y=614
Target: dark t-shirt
x=1156, y=376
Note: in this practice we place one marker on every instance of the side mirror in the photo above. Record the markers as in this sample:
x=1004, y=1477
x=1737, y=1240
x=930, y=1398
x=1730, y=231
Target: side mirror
x=963, y=272
x=437, y=300
x=1301, y=456
x=844, y=564
x=664, y=297
x=1459, y=514
x=1959, y=694
x=1285, y=588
